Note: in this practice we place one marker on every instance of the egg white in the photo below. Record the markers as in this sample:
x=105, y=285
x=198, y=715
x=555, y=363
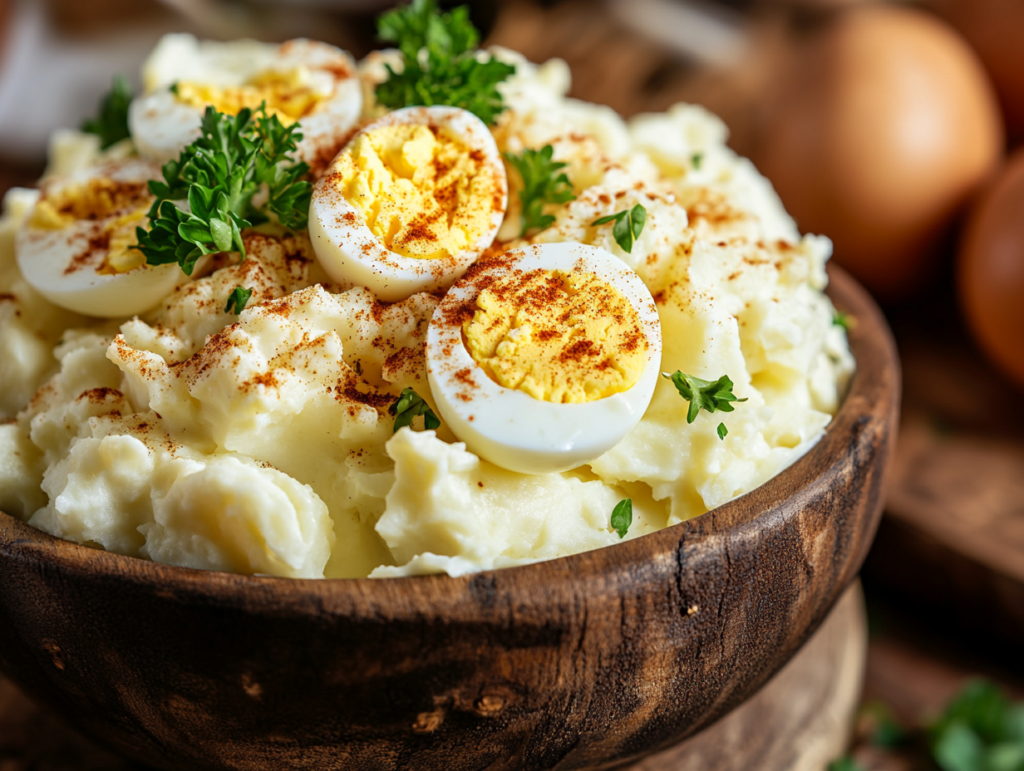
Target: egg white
x=506, y=426
x=161, y=125
x=350, y=253
x=47, y=257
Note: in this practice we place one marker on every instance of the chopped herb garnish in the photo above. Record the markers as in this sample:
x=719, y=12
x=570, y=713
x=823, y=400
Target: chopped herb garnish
x=622, y=516
x=629, y=224
x=236, y=157
x=541, y=185
x=408, y=406
x=696, y=160
x=111, y=125
x=844, y=320
x=440, y=62
x=237, y=299
x=704, y=394
x=722, y=431
x=981, y=730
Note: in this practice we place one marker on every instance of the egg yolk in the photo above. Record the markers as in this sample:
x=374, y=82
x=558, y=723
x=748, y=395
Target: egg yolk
x=286, y=95
x=120, y=237
x=558, y=337
x=116, y=208
x=423, y=193
x=97, y=199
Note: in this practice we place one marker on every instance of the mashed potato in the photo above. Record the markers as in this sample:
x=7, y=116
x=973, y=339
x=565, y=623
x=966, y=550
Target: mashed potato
x=261, y=443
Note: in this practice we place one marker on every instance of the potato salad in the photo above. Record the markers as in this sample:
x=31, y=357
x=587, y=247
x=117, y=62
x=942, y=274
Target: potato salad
x=286, y=313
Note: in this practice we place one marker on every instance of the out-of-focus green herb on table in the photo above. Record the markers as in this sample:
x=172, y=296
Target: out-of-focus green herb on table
x=979, y=730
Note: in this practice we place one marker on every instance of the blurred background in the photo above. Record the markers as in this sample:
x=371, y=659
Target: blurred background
x=890, y=127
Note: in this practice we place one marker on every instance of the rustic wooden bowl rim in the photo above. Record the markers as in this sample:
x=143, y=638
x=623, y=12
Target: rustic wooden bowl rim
x=869, y=392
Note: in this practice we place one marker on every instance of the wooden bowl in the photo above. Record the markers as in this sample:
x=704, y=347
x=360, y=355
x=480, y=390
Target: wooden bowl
x=578, y=663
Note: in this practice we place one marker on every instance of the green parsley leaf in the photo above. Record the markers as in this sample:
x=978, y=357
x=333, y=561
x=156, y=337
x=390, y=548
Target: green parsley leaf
x=979, y=731
x=844, y=320
x=629, y=224
x=237, y=299
x=845, y=764
x=235, y=157
x=704, y=394
x=958, y=748
x=722, y=431
x=541, y=185
x=111, y=125
x=696, y=160
x=440, y=62
x=622, y=516
x=408, y=406
x=885, y=730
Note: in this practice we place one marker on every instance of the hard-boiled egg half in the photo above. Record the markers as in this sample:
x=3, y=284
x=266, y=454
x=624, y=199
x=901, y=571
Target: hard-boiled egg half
x=75, y=246
x=410, y=202
x=544, y=357
x=302, y=81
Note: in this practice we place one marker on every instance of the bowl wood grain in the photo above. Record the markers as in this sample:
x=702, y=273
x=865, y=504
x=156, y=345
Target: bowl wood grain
x=584, y=662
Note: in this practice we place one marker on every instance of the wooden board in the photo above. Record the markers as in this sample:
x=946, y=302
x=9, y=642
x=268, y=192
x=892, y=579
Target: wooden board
x=953, y=534
x=800, y=721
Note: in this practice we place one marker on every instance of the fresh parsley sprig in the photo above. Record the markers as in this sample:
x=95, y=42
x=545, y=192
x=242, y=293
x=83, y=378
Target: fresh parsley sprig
x=111, y=124
x=235, y=157
x=408, y=406
x=541, y=185
x=622, y=516
x=710, y=395
x=629, y=224
x=237, y=299
x=981, y=730
x=441, y=64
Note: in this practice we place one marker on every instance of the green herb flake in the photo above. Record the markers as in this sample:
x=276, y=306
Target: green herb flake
x=629, y=224
x=722, y=431
x=111, y=125
x=441, y=64
x=541, y=185
x=710, y=395
x=237, y=300
x=696, y=160
x=408, y=406
x=235, y=157
x=979, y=731
x=622, y=516
x=885, y=731
x=844, y=320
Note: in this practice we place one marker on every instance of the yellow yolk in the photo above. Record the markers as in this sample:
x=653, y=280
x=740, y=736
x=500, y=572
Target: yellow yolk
x=423, y=193
x=116, y=208
x=121, y=237
x=558, y=337
x=285, y=93
x=95, y=200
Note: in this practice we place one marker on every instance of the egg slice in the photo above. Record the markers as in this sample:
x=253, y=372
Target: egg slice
x=74, y=247
x=410, y=202
x=302, y=81
x=545, y=357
